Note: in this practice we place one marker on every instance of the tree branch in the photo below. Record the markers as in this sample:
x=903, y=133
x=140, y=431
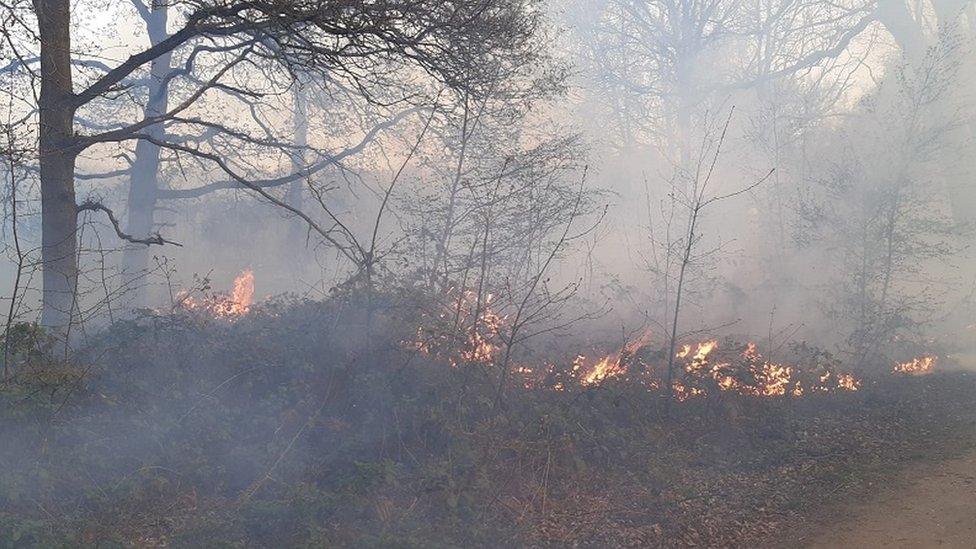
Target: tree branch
x=329, y=160
x=153, y=239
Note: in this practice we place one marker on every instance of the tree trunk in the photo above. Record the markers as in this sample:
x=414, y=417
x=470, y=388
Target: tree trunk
x=59, y=214
x=144, y=174
x=296, y=229
x=898, y=21
x=961, y=176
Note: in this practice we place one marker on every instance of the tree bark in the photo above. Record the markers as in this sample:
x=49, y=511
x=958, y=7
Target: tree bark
x=962, y=176
x=57, y=153
x=144, y=174
x=296, y=229
x=898, y=21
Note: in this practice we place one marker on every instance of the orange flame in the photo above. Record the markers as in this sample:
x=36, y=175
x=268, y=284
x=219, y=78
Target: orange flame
x=766, y=379
x=848, y=382
x=242, y=296
x=239, y=302
x=615, y=364
x=609, y=366
x=474, y=336
x=228, y=307
x=917, y=367
x=745, y=372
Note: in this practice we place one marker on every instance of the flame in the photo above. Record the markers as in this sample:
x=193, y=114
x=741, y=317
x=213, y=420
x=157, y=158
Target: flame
x=229, y=307
x=700, y=359
x=635, y=345
x=702, y=368
x=465, y=330
x=750, y=375
x=186, y=301
x=848, y=382
x=917, y=367
x=774, y=379
x=479, y=347
x=751, y=352
x=614, y=364
x=609, y=366
x=242, y=296
x=683, y=393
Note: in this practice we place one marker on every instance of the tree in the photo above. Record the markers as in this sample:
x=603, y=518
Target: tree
x=144, y=172
x=149, y=187
x=462, y=45
x=667, y=63
x=919, y=28
x=679, y=256
x=878, y=213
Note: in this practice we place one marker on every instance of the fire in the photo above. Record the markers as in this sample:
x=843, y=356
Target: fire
x=615, y=364
x=747, y=374
x=242, y=296
x=479, y=347
x=917, y=367
x=700, y=359
x=463, y=330
x=466, y=330
x=774, y=379
x=685, y=350
x=683, y=393
x=751, y=351
x=609, y=366
x=704, y=349
x=229, y=307
x=848, y=382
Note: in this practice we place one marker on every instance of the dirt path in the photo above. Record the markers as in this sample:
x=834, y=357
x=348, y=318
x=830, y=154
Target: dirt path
x=934, y=508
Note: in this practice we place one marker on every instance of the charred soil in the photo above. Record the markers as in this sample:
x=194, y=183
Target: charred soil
x=282, y=428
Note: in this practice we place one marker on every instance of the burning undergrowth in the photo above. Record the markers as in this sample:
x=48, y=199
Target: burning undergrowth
x=317, y=423
x=712, y=368
x=465, y=331
x=221, y=305
x=916, y=367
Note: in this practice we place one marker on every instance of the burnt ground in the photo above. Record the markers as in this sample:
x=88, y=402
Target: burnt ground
x=278, y=431
x=790, y=490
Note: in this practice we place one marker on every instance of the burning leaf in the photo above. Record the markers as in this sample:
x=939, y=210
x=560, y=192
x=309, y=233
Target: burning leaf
x=848, y=382
x=609, y=366
x=748, y=373
x=917, y=367
x=464, y=330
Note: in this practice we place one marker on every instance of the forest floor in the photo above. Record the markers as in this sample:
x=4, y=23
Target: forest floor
x=931, y=504
x=191, y=432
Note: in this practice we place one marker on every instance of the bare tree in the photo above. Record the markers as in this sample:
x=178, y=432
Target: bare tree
x=879, y=214
x=693, y=203
x=462, y=45
x=666, y=63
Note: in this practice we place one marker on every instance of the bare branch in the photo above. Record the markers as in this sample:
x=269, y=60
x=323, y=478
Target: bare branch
x=154, y=239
